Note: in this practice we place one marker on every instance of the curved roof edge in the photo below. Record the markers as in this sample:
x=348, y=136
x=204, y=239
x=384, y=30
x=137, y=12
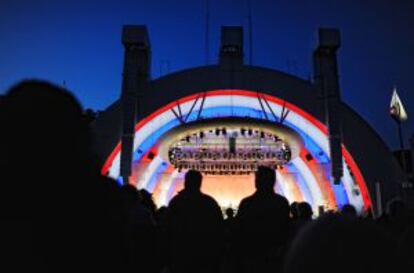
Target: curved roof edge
x=358, y=135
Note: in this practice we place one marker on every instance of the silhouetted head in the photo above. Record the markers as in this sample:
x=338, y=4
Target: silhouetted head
x=145, y=195
x=305, y=211
x=43, y=124
x=229, y=213
x=147, y=201
x=192, y=181
x=349, y=211
x=130, y=195
x=162, y=210
x=294, y=212
x=334, y=243
x=161, y=215
x=44, y=138
x=265, y=179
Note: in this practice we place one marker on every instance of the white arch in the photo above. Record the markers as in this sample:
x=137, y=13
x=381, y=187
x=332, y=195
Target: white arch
x=310, y=180
x=165, y=188
x=149, y=171
x=283, y=185
x=227, y=100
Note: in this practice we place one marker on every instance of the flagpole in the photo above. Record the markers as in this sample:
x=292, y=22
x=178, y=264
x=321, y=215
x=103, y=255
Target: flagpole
x=400, y=135
x=399, y=114
x=403, y=163
x=250, y=26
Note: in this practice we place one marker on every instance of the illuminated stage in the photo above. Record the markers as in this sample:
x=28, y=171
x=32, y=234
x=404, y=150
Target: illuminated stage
x=227, y=118
x=304, y=177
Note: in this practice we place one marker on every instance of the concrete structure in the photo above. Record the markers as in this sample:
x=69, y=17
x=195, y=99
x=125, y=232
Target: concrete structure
x=340, y=158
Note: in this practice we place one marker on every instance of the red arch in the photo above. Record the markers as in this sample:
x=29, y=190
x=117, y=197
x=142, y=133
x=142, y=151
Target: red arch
x=236, y=92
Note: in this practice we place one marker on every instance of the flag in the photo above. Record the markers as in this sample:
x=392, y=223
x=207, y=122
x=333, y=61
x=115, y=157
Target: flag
x=397, y=110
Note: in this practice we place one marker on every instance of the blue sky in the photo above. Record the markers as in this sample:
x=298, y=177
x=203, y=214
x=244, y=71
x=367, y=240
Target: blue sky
x=79, y=42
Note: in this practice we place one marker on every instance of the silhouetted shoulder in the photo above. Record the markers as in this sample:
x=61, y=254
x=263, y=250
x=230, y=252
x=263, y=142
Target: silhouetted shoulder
x=244, y=204
x=210, y=200
x=283, y=200
x=176, y=200
x=247, y=200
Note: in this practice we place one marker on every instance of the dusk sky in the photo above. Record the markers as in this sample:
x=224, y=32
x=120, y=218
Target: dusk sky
x=79, y=42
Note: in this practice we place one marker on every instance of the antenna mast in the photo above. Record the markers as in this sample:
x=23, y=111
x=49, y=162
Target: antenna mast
x=207, y=29
x=250, y=26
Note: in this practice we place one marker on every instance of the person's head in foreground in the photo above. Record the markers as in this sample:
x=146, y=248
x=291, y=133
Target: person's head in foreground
x=192, y=182
x=339, y=244
x=265, y=179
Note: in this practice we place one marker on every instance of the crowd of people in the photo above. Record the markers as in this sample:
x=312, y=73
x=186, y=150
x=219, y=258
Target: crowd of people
x=58, y=214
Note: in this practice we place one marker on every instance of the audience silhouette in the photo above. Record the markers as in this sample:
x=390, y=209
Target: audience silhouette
x=139, y=241
x=229, y=257
x=302, y=216
x=195, y=229
x=147, y=201
x=262, y=226
x=52, y=186
x=58, y=214
x=229, y=222
x=294, y=212
x=336, y=243
x=304, y=211
x=349, y=211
